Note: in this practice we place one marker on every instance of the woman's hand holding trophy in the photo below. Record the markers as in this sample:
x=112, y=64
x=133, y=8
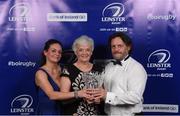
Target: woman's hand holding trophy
x=93, y=84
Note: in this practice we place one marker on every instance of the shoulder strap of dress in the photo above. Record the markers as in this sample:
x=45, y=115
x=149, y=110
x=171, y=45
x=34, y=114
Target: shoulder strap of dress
x=44, y=71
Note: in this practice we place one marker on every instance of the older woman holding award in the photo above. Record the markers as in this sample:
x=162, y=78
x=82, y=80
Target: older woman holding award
x=82, y=74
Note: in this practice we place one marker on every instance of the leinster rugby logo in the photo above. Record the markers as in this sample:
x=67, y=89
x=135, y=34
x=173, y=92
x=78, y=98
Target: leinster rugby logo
x=159, y=59
x=114, y=9
x=21, y=8
x=21, y=104
x=19, y=12
x=159, y=56
x=113, y=13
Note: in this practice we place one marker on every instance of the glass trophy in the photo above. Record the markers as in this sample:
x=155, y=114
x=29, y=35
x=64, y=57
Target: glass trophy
x=92, y=80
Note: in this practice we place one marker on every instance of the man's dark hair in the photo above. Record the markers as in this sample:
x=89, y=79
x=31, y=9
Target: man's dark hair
x=125, y=38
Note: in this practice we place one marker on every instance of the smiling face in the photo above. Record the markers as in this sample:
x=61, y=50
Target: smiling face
x=119, y=49
x=83, y=52
x=53, y=54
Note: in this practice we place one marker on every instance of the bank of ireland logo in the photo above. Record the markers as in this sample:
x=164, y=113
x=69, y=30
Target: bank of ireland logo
x=22, y=104
x=113, y=13
x=19, y=12
x=159, y=56
x=159, y=59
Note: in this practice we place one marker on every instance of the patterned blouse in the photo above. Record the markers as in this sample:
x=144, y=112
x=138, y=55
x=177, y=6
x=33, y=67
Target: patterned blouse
x=78, y=80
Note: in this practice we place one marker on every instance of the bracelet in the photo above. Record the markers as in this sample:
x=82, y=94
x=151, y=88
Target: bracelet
x=76, y=94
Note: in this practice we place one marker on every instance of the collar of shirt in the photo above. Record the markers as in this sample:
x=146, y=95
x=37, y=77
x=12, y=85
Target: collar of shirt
x=120, y=63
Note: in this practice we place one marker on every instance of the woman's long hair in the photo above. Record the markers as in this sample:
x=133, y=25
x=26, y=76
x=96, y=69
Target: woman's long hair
x=46, y=47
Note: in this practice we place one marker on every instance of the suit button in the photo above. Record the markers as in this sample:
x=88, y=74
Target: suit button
x=109, y=100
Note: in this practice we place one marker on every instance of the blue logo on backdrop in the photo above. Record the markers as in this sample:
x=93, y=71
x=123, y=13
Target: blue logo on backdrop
x=21, y=7
x=114, y=9
x=113, y=12
x=159, y=60
x=21, y=104
x=159, y=56
x=18, y=12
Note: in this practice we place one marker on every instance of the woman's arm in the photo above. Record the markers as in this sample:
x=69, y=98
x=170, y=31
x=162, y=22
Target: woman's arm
x=41, y=80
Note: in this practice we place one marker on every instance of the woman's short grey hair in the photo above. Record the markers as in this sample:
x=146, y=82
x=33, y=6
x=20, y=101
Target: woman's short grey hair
x=84, y=39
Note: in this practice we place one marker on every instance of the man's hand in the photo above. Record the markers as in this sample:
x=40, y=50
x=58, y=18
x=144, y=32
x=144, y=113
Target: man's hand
x=99, y=93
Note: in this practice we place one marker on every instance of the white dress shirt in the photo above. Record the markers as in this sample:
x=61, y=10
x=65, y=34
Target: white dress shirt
x=125, y=86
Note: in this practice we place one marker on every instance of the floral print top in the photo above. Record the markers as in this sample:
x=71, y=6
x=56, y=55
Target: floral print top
x=78, y=82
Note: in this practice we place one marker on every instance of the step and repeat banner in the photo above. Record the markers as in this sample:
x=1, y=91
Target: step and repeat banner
x=153, y=25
